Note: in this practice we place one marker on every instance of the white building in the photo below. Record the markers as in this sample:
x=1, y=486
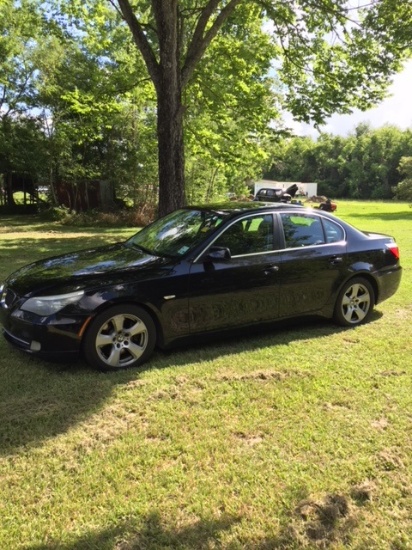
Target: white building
x=308, y=189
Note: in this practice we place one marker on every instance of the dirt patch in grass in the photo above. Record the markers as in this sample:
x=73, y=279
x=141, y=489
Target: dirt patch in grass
x=320, y=523
x=393, y=373
x=403, y=313
x=380, y=424
x=390, y=460
x=336, y=405
x=363, y=492
x=249, y=439
x=259, y=375
x=323, y=520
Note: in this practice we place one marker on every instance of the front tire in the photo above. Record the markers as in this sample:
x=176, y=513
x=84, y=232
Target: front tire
x=120, y=337
x=355, y=303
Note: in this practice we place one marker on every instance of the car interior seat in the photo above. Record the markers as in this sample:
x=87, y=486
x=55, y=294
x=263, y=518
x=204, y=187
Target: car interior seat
x=265, y=232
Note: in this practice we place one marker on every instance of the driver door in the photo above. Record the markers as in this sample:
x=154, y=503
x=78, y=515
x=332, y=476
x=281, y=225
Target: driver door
x=242, y=290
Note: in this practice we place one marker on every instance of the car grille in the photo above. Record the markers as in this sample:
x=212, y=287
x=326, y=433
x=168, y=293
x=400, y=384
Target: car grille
x=8, y=298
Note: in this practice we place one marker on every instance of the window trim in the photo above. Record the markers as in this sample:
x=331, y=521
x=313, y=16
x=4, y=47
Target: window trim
x=278, y=234
x=276, y=240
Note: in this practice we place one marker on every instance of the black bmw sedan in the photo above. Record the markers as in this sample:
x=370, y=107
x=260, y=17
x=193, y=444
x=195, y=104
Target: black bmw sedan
x=198, y=270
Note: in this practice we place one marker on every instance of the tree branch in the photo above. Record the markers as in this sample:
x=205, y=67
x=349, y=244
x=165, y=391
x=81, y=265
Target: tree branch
x=201, y=39
x=140, y=39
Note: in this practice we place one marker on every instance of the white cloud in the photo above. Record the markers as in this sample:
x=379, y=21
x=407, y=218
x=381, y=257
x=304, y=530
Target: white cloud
x=396, y=110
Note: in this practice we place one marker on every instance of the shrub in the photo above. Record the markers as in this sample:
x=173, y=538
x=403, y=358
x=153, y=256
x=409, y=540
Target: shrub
x=127, y=217
x=55, y=214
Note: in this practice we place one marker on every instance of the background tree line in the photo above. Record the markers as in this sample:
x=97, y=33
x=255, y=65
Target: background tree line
x=76, y=103
x=368, y=164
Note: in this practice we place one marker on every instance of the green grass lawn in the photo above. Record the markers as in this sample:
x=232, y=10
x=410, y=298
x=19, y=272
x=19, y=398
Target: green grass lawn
x=300, y=437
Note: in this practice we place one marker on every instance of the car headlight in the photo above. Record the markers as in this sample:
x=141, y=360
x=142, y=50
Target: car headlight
x=47, y=305
x=3, y=294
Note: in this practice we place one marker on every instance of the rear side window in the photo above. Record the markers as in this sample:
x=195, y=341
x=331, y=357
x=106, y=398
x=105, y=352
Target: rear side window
x=302, y=230
x=333, y=232
x=308, y=230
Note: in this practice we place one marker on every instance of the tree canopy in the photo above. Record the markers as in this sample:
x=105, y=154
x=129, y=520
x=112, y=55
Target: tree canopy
x=331, y=57
x=99, y=85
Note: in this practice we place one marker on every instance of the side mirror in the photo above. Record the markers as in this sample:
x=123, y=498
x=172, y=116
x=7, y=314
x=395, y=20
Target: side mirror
x=217, y=254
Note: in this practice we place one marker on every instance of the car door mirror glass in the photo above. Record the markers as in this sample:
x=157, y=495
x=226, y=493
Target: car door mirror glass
x=217, y=254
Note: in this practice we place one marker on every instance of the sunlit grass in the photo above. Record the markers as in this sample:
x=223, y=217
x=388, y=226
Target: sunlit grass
x=298, y=437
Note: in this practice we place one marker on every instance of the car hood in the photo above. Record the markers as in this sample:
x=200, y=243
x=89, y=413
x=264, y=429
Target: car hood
x=292, y=190
x=75, y=269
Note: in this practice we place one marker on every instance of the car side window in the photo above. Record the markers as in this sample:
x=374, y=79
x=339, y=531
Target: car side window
x=334, y=232
x=302, y=230
x=248, y=236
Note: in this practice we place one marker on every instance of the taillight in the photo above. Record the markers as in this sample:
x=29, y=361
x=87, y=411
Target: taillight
x=393, y=247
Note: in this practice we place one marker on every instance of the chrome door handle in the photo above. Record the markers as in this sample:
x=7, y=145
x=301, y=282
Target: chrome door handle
x=271, y=269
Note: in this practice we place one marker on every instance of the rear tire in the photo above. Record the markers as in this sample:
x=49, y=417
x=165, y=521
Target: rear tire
x=355, y=302
x=120, y=337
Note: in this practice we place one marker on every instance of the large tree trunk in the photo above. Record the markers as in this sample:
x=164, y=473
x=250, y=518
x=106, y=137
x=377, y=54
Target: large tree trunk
x=8, y=178
x=169, y=109
x=171, y=150
x=170, y=75
x=165, y=73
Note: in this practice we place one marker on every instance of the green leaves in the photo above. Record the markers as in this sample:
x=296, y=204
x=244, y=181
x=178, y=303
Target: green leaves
x=77, y=63
x=335, y=57
x=404, y=189
x=363, y=165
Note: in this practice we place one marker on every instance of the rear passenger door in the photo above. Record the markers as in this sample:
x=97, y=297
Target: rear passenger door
x=313, y=263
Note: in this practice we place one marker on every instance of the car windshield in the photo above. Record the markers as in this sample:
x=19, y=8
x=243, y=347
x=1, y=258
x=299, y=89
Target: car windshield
x=177, y=233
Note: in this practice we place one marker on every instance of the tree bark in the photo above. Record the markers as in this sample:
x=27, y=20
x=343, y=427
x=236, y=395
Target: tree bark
x=169, y=108
x=8, y=177
x=170, y=76
x=170, y=148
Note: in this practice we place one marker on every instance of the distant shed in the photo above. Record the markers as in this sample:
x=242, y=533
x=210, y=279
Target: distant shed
x=85, y=195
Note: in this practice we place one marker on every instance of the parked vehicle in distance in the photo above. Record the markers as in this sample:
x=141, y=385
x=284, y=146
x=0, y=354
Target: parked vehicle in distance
x=268, y=194
x=199, y=270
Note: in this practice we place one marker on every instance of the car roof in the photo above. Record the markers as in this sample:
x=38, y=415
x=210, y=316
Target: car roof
x=244, y=207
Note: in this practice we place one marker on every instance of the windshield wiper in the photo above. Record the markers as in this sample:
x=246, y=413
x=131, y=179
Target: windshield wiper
x=152, y=252
x=143, y=249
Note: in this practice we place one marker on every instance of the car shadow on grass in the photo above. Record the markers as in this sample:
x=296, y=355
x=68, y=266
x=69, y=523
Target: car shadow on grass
x=151, y=532
x=308, y=524
x=282, y=333
x=41, y=399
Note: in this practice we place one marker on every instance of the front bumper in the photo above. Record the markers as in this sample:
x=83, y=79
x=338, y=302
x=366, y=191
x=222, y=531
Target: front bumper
x=48, y=337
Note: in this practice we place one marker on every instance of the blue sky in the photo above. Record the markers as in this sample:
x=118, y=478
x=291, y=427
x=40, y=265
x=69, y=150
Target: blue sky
x=395, y=110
